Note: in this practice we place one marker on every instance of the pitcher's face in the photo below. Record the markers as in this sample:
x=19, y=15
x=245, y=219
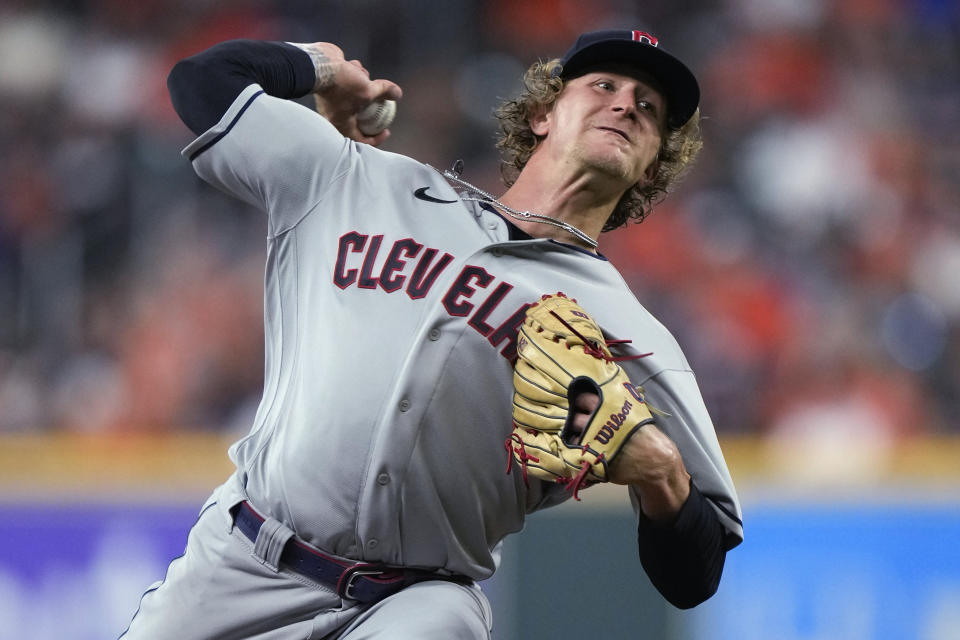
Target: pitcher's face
x=608, y=121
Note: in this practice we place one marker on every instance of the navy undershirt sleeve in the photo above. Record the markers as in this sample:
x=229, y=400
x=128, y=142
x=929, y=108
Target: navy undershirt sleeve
x=684, y=558
x=202, y=87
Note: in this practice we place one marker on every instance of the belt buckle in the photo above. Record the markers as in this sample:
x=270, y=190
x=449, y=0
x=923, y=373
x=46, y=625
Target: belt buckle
x=345, y=584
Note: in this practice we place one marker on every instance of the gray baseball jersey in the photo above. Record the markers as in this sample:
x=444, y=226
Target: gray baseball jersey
x=391, y=313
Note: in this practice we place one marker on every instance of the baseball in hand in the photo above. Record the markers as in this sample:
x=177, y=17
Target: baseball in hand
x=376, y=117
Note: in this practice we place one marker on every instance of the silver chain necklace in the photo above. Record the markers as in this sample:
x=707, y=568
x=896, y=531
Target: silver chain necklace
x=453, y=175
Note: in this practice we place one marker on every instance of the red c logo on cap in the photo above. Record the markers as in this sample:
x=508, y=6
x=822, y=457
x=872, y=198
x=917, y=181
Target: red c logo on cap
x=640, y=36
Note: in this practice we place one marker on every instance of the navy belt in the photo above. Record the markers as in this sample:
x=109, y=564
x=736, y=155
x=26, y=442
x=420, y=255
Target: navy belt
x=364, y=582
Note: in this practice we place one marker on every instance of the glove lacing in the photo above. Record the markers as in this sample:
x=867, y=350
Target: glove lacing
x=521, y=452
x=590, y=347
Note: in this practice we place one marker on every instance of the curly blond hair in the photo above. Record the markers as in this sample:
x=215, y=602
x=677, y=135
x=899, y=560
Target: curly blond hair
x=517, y=142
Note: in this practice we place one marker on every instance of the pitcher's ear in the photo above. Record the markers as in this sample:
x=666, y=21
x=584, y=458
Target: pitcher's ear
x=540, y=120
x=651, y=172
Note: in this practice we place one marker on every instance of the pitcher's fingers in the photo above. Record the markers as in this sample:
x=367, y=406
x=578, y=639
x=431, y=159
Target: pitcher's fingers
x=385, y=89
x=586, y=402
x=377, y=140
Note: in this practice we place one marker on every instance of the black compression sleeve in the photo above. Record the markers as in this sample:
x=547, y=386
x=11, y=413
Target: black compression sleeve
x=684, y=558
x=202, y=87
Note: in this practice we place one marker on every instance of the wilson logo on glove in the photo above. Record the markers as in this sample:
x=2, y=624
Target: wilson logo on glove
x=613, y=424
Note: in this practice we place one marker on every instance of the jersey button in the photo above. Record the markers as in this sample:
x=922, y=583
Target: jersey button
x=492, y=224
x=372, y=543
x=383, y=478
x=497, y=252
x=404, y=405
x=434, y=334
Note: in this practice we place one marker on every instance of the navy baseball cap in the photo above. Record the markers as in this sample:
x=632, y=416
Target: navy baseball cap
x=639, y=49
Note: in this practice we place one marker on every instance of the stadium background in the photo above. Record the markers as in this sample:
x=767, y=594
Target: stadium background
x=809, y=267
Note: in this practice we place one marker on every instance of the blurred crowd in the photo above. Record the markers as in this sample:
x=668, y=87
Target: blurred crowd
x=809, y=265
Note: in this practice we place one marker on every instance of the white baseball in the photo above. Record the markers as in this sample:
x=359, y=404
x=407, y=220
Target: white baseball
x=376, y=116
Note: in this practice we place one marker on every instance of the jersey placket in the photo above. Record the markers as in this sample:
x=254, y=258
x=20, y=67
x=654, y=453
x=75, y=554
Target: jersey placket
x=397, y=431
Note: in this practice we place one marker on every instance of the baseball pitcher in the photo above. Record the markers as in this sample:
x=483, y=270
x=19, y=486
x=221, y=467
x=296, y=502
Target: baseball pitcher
x=441, y=361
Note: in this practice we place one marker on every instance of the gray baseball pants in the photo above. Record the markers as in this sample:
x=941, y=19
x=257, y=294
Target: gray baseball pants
x=220, y=589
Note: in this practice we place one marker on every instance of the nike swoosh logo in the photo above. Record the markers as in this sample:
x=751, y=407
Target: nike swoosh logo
x=421, y=193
